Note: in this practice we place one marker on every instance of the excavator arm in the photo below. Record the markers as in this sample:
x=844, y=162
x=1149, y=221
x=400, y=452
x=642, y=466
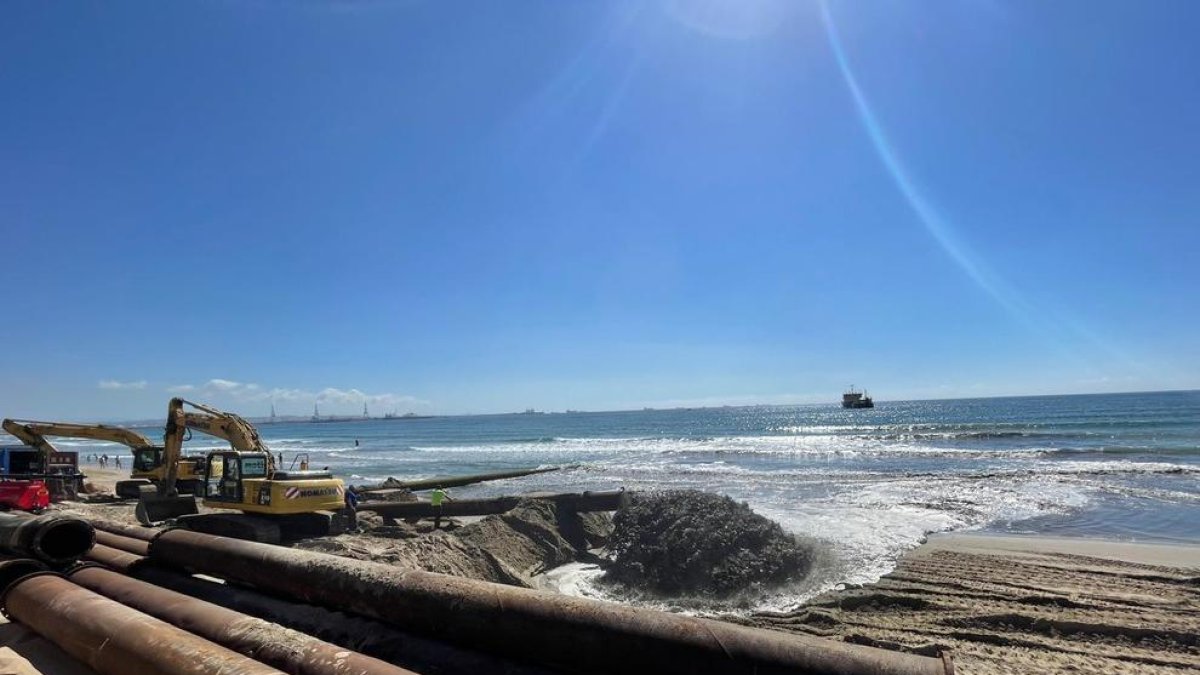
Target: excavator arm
x=241, y=435
x=182, y=416
x=34, y=433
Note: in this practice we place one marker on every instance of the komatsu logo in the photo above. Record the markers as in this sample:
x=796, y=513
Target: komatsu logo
x=299, y=493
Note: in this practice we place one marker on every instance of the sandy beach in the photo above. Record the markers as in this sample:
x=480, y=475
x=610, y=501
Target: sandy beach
x=1026, y=605
x=999, y=604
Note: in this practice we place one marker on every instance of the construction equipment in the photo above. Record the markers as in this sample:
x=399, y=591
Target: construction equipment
x=148, y=464
x=274, y=504
x=38, y=468
x=565, y=633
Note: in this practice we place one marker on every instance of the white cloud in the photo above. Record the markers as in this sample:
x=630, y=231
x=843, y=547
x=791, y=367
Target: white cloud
x=343, y=400
x=223, y=385
x=117, y=384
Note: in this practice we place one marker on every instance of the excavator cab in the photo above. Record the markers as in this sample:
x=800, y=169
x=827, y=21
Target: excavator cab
x=270, y=505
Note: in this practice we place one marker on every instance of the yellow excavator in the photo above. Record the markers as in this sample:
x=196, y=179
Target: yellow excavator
x=273, y=504
x=148, y=466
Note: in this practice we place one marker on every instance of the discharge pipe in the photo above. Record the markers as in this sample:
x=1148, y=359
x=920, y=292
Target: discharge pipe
x=392, y=484
x=586, y=501
x=56, y=540
x=286, y=649
x=567, y=633
x=113, y=639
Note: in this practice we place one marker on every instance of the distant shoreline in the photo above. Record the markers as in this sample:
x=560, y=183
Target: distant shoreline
x=832, y=403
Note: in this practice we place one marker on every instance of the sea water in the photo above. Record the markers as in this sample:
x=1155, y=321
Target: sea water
x=869, y=484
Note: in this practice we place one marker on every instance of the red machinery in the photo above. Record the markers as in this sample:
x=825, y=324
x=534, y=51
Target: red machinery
x=24, y=495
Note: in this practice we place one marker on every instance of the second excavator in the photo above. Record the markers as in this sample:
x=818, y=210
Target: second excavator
x=273, y=504
x=148, y=465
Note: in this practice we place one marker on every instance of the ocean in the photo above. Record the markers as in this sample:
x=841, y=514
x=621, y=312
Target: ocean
x=869, y=484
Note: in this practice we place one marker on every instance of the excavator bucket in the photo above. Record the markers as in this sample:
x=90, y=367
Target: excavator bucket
x=153, y=508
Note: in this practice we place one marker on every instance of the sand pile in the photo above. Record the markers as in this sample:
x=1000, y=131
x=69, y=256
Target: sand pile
x=509, y=548
x=687, y=542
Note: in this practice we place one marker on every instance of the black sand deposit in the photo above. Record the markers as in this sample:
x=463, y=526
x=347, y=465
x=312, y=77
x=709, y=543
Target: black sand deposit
x=686, y=542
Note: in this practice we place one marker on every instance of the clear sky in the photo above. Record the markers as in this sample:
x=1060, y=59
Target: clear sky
x=487, y=206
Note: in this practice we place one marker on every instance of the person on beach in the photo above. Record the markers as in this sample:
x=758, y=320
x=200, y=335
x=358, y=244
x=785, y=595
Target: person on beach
x=118, y=461
x=435, y=500
x=352, y=508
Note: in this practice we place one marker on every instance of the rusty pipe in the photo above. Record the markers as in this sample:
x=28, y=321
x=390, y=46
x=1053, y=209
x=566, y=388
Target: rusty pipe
x=363, y=635
x=586, y=501
x=123, y=543
x=115, y=559
x=568, y=633
x=14, y=569
x=131, y=531
x=53, y=539
x=367, y=636
x=113, y=639
x=286, y=649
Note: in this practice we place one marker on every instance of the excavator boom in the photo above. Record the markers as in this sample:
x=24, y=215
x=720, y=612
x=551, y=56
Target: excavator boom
x=33, y=433
x=147, y=466
x=244, y=478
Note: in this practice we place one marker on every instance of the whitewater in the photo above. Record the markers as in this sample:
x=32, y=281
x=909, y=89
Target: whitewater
x=870, y=484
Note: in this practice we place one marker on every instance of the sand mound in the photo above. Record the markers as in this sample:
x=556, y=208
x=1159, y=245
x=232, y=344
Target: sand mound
x=687, y=542
x=509, y=548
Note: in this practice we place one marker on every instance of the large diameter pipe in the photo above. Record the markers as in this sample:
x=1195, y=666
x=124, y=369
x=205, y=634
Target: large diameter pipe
x=17, y=568
x=351, y=631
x=113, y=639
x=392, y=484
x=130, y=531
x=367, y=636
x=115, y=559
x=586, y=501
x=123, y=543
x=286, y=649
x=572, y=634
x=54, y=539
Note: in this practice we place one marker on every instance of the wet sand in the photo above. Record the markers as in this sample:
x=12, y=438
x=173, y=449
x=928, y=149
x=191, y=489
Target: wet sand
x=1025, y=605
x=104, y=480
x=1000, y=604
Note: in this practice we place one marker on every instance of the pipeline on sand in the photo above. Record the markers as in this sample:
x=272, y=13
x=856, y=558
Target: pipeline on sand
x=53, y=539
x=286, y=649
x=572, y=634
x=113, y=639
x=357, y=633
x=393, y=485
x=585, y=501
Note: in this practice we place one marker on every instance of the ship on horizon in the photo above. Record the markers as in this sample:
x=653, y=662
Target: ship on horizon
x=857, y=399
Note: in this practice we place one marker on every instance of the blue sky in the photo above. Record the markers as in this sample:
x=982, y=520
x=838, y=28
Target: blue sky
x=488, y=206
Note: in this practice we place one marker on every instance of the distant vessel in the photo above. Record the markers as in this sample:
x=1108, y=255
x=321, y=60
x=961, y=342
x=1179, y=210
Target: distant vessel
x=857, y=399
